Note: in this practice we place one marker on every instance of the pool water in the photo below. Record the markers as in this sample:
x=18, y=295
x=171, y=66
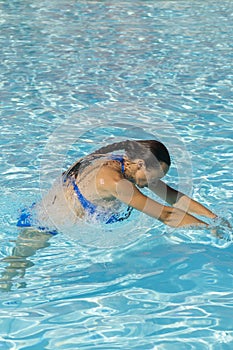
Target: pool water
x=76, y=75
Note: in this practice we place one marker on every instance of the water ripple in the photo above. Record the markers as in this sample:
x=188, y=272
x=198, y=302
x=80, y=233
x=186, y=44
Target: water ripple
x=166, y=68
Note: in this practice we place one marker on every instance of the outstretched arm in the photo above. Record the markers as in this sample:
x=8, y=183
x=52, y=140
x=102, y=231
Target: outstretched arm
x=180, y=200
x=126, y=192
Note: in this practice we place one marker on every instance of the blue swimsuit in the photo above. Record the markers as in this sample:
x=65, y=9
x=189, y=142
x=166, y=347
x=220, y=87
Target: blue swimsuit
x=93, y=209
x=26, y=219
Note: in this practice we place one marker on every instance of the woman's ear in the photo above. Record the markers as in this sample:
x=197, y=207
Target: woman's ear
x=140, y=163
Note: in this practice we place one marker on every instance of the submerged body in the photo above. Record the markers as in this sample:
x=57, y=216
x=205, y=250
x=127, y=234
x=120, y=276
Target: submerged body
x=103, y=186
x=75, y=197
x=106, y=185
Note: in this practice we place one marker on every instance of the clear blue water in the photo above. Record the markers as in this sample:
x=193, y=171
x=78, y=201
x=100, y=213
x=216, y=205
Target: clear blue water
x=74, y=76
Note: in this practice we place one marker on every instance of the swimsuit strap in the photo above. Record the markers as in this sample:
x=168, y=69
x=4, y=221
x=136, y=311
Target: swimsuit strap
x=92, y=208
x=86, y=204
x=120, y=159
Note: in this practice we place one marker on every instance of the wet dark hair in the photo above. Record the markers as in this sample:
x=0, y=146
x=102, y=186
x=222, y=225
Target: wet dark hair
x=147, y=150
x=151, y=151
x=158, y=150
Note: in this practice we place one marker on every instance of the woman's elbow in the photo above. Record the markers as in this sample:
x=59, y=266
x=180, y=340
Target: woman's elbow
x=172, y=217
x=165, y=215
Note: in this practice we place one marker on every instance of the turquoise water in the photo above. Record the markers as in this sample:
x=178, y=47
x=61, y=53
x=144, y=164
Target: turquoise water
x=77, y=75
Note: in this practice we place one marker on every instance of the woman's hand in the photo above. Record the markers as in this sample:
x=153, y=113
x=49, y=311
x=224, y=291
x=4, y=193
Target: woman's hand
x=222, y=229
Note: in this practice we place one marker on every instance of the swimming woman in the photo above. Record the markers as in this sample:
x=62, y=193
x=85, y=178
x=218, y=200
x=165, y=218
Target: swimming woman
x=103, y=186
x=97, y=186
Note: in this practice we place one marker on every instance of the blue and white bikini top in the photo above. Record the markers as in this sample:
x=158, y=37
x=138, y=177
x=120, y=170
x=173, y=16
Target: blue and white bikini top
x=93, y=209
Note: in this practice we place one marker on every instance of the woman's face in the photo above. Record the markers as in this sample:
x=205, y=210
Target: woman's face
x=143, y=176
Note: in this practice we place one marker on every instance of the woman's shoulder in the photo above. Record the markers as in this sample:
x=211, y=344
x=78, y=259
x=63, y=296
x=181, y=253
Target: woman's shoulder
x=107, y=178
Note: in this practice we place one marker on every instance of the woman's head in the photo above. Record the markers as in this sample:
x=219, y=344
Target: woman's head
x=151, y=151
x=147, y=160
x=150, y=161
